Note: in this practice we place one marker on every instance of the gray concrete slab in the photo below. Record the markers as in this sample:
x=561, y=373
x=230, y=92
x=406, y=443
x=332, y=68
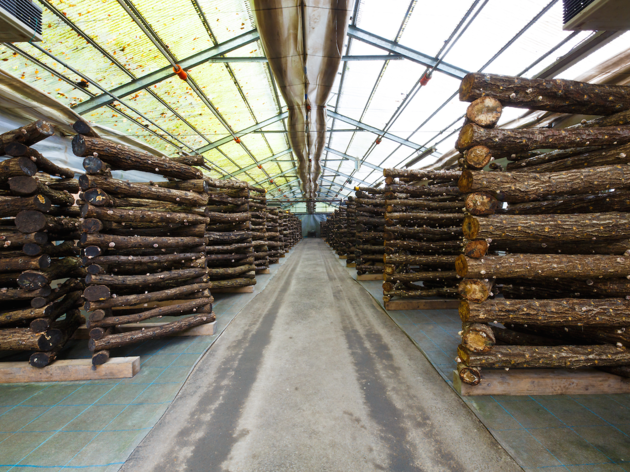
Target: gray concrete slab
x=312, y=375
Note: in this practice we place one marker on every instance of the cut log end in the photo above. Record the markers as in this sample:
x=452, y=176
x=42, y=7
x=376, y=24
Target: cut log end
x=465, y=181
x=461, y=266
x=478, y=157
x=481, y=203
x=485, y=111
x=470, y=227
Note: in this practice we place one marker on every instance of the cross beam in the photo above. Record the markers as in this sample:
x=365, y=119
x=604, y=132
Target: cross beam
x=251, y=166
x=166, y=72
x=344, y=175
x=241, y=133
x=356, y=159
x=374, y=130
x=407, y=53
x=271, y=177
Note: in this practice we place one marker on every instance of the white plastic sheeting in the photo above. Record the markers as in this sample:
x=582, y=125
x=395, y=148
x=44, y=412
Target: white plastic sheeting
x=303, y=41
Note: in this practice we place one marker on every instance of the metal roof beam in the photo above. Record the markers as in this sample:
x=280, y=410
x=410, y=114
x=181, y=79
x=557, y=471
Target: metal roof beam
x=342, y=186
x=374, y=130
x=283, y=185
x=407, y=53
x=167, y=72
x=242, y=133
x=271, y=177
x=261, y=162
x=369, y=57
x=355, y=159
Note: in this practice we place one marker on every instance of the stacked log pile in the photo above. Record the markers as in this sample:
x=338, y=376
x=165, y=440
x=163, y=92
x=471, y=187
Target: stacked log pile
x=340, y=229
x=423, y=234
x=350, y=235
x=551, y=235
x=258, y=212
x=274, y=238
x=143, y=245
x=370, y=228
x=229, y=242
x=38, y=231
x=295, y=230
x=324, y=230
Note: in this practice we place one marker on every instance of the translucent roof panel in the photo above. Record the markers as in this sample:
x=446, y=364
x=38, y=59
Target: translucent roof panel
x=115, y=45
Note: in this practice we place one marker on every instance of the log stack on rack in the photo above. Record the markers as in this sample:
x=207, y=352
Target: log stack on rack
x=370, y=227
x=143, y=245
x=324, y=231
x=258, y=212
x=551, y=235
x=295, y=230
x=274, y=238
x=351, y=232
x=229, y=244
x=341, y=227
x=423, y=237
x=37, y=248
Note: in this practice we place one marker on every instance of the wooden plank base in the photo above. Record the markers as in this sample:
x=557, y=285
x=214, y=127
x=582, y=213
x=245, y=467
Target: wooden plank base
x=351, y=264
x=283, y=255
x=66, y=370
x=394, y=305
x=248, y=289
x=543, y=382
x=370, y=277
x=343, y=257
x=264, y=271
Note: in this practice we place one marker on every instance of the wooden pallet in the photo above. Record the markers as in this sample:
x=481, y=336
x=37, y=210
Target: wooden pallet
x=207, y=329
x=351, y=264
x=66, y=370
x=543, y=382
x=343, y=257
x=248, y=289
x=394, y=305
x=370, y=277
x=263, y=271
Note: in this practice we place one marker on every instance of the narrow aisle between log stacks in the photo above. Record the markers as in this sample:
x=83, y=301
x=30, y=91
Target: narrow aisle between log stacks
x=312, y=375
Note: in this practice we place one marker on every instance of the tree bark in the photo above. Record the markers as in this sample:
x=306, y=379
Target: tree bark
x=126, y=158
x=537, y=266
x=419, y=175
x=17, y=149
x=136, y=190
x=124, y=339
x=29, y=221
x=23, y=339
x=545, y=356
x=216, y=217
x=16, y=167
x=555, y=95
x=132, y=242
x=608, y=156
x=141, y=216
x=420, y=276
x=523, y=165
x=59, y=269
x=602, y=226
x=137, y=299
x=230, y=271
x=233, y=283
x=560, y=312
x=423, y=190
x=540, y=138
x=211, y=250
x=144, y=280
x=445, y=247
x=25, y=314
x=184, y=308
x=442, y=218
x=11, y=206
x=606, y=247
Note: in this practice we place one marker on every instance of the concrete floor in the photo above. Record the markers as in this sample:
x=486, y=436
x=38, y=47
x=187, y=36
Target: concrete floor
x=313, y=376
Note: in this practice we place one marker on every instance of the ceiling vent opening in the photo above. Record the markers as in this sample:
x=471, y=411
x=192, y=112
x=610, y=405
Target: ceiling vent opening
x=596, y=15
x=20, y=21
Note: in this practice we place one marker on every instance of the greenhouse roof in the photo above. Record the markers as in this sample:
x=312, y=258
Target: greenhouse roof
x=229, y=108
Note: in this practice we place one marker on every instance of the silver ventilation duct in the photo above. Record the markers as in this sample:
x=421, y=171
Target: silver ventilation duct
x=303, y=41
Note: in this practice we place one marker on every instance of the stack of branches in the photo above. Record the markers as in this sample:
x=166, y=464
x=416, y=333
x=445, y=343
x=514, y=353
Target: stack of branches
x=143, y=244
x=340, y=228
x=295, y=230
x=284, y=231
x=423, y=234
x=274, y=237
x=370, y=227
x=258, y=212
x=324, y=231
x=332, y=227
x=229, y=244
x=38, y=231
x=350, y=235
x=551, y=235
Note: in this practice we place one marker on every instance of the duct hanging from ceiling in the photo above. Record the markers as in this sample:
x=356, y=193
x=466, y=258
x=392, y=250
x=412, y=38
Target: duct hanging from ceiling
x=303, y=41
